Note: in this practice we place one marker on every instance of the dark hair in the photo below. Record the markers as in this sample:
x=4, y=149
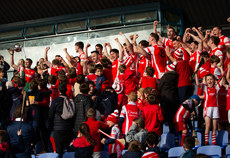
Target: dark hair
x=172, y=28
x=52, y=79
x=62, y=89
x=150, y=71
x=175, y=39
x=99, y=66
x=99, y=45
x=144, y=43
x=2, y=70
x=114, y=50
x=34, y=84
x=21, y=82
x=95, y=51
x=189, y=142
x=30, y=61
x=215, y=40
x=84, y=129
x=42, y=83
x=204, y=54
x=152, y=99
x=214, y=59
x=17, y=111
x=148, y=90
x=80, y=44
x=84, y=88
x=134, y=146
x=210, y=75
x=55, y=62
x=105, y=62
x=219, y=28
x=155, y=36
x=72, y=72
x=80, y=78
x=61, y=73
x=63, y=79
x=152, y=138
x=90, y=82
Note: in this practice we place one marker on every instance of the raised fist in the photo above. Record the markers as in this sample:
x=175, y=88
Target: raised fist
x=65, y=49
x=88, y=45
x=47, y=49
x=155, y=23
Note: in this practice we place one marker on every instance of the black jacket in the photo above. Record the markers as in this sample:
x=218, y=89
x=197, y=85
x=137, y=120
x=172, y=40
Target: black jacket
x=82, y=104
x=55, y=120
x=130, y=154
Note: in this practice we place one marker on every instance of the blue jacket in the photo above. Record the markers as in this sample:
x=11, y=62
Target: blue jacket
x=20, y=145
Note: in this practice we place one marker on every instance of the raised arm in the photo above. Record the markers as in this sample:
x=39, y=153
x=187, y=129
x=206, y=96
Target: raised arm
x=119, y=45
x=11, y=52
x=186, y=37
x=86, y=50
x=197, y=80
x=48, y=63
x=105, y=45
x=155, y=26
x=127, y=42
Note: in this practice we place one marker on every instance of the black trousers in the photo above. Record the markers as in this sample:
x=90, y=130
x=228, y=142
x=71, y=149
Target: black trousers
x=62, y=140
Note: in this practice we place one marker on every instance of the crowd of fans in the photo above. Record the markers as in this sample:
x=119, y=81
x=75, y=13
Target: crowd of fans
x=117, y=98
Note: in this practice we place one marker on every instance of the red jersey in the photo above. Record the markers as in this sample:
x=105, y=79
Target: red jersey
x=216, y=51
x=108, y=75
x=79, y=69
x=143, y=63
x=131, y=81
x=224, y=41
x=184, y=70
x=115, y=66
x=210, y=96
x=94, y=126
x=29, y=74
x=147, y=81
x=129, y=112
x=140, y=104
x=168, y=43
x=115, y=134
x=183, y=113
x=204, y=69
x=194, y=59
x=153, y=118
x=228, y=98
x=54, y=70
x=150, y=154
x=181, y=54
x=91, y=77
x=158, y=59
x=129, y=59
x=82, y=56
x=216, y=72
x=55, y=93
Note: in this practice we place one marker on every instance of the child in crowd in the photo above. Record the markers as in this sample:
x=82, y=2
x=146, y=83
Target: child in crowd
x=183, y=115
x=188, y=144
x=112, y=121
x=214, y=60
x=211, y=112
x=137, y=132
x=119, y=87
x=152, y=114
x=91, y=73
x=80, y=80
x=148, y=80
x=53, y=87
x=153, y=150
x=84, y=143
x=128, y=113
x=134, y=150
x=140, y=99
x=94, y=126
x=100, y=77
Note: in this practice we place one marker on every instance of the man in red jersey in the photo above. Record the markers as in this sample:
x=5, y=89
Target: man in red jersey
x=224, y=41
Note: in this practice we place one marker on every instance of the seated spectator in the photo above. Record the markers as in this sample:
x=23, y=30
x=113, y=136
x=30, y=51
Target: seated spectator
x=189, y=143
x=137, y=132
x=153, y=150
x=134, y=150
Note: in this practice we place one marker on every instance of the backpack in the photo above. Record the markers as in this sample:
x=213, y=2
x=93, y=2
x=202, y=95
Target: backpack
x=68, y=110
